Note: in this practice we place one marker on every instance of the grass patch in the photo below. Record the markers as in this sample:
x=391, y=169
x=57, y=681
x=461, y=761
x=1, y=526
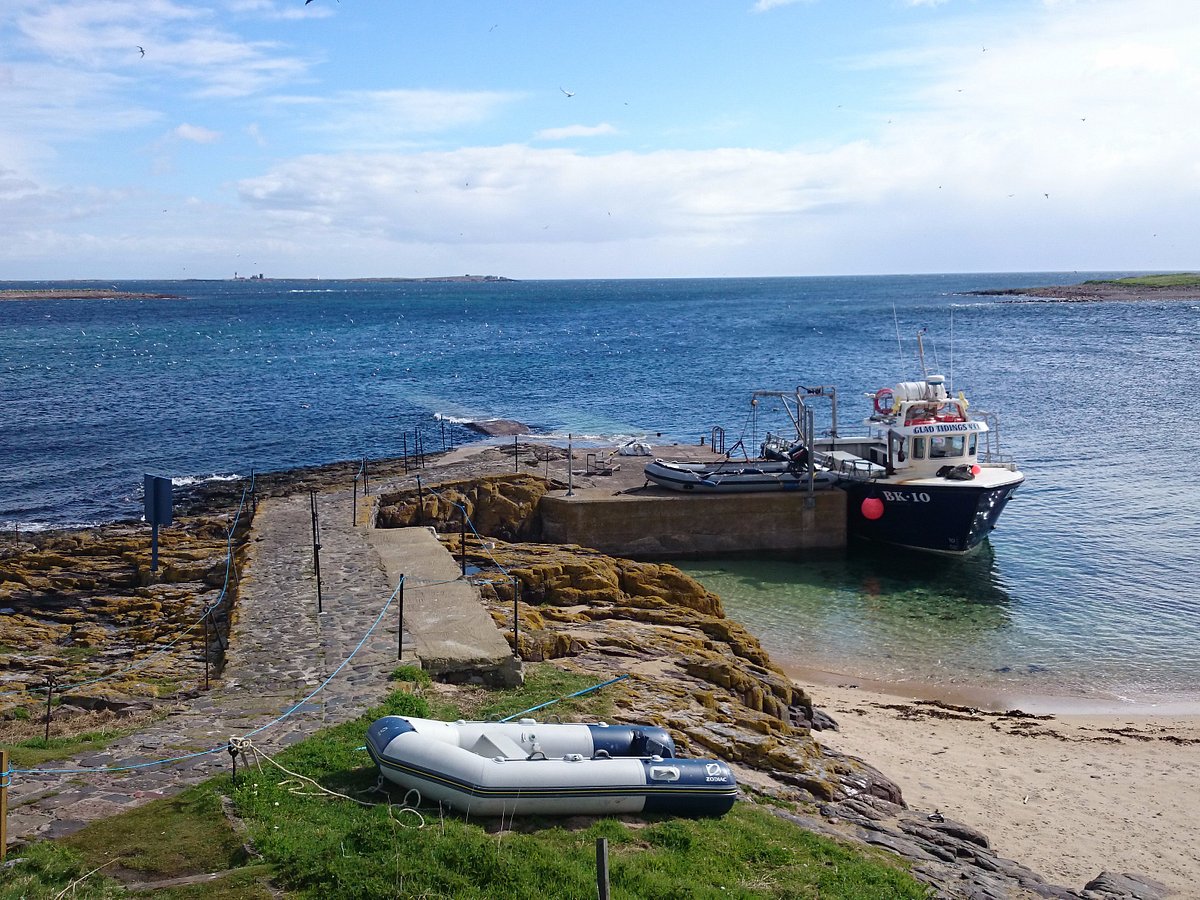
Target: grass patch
x=48, y=869
x=183, y=835
x=320, y=846
x=32, y=752
x=543, y=684
x=1178, y=279
x=412, y=674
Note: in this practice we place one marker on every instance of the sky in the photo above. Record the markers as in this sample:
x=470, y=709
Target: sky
x=648, y=139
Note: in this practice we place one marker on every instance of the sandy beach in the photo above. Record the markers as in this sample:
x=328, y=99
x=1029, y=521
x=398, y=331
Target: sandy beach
x=1069, y=795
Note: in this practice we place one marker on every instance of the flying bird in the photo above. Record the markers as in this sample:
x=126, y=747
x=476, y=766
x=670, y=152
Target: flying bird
x=568, y=93
x=142, y=50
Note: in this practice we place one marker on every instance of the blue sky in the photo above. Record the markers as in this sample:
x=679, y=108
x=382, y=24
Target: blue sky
x=701, y=138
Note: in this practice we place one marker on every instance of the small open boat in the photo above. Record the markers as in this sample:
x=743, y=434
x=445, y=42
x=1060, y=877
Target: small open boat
x=730, y=477
x=532, y=768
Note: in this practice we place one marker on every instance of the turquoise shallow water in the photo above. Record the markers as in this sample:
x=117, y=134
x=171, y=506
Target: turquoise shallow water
x=1091, y=584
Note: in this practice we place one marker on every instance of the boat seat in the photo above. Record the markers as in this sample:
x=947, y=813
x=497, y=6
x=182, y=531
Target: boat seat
x=493, y=745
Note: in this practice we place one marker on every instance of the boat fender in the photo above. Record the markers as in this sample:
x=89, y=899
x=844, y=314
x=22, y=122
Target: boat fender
x=872, y=508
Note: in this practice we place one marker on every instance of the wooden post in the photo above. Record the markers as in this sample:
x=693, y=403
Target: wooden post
x=602, y=868
x=49, y=695
x=4, y=779
x=400, y=622
x=516, y=613
x=206, y=651
x=316, y=539
x=462, y=539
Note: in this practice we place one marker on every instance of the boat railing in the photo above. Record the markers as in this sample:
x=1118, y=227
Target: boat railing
x=846, y=465
x=717, y=439
x=990, y=453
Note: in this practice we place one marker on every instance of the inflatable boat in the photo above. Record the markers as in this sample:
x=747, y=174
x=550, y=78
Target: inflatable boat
x=532, y=768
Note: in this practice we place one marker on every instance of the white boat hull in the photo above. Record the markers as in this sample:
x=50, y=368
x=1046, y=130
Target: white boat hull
x=527, y=768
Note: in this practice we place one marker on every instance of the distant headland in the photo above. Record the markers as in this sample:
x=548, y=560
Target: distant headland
x=90, y=292
x=1179, y=286
x=82, y=293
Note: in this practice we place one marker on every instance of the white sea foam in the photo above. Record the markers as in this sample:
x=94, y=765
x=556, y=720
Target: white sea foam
x=187, y=480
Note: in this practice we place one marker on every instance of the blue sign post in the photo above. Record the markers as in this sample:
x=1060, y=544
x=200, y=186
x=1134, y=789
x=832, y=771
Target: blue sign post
x=158, y=511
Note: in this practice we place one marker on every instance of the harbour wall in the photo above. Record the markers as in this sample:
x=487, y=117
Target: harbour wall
x=668, y=525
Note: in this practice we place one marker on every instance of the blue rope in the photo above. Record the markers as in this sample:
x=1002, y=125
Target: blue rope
x=594, y=687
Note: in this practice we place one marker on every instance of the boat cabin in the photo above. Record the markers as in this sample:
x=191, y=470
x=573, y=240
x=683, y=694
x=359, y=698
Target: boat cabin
x=923, y=429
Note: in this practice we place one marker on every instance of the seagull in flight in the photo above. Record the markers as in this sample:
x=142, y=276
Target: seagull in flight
x=142, y=50
x=568, y=93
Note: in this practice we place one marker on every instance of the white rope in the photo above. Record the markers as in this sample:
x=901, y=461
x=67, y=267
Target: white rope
x=303, y=786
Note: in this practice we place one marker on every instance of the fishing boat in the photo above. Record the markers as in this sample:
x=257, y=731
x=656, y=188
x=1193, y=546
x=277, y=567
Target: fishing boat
x=929, y=474
x=531, y=768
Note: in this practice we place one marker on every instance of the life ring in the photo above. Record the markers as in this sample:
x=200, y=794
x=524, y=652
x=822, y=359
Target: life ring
x=885, y=399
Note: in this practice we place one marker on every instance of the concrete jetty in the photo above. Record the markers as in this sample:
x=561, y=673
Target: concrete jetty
x=281, y=650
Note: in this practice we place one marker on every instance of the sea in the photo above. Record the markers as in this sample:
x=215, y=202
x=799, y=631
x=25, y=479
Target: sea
x=1088, y=590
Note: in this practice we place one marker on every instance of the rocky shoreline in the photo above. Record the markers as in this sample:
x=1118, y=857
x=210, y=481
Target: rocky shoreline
x=691, y=669
x=1091, y=292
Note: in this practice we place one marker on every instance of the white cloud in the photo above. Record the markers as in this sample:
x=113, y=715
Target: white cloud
x=386, y=118
x=765, y=5
x=196, y=134
x=575, y=131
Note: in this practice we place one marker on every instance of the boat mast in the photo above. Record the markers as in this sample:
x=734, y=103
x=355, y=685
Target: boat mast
x=921, y=355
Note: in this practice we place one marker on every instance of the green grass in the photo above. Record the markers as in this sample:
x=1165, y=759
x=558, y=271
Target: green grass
x=183, y=835
x=1179, y=279
x=542, y=685
x=47, y=869
x=323, y=846
x=32, y=752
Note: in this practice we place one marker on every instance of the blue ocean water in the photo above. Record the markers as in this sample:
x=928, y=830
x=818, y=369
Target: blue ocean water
x=1091, y=585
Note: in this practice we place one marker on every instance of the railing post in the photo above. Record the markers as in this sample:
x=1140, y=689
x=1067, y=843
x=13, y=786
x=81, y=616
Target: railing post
x=462, y=539
x=49, y=695
x=4, y=779
x=354, y=505
x=516, y=615
x=400, y=622
x=420, y=503
x=206, y=651
x=316, y=538
x=570, y=467
x=602, y=868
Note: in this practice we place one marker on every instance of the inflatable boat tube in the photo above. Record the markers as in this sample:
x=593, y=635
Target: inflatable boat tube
x=531, y=768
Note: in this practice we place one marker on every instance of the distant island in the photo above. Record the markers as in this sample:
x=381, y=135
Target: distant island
x=1179, y=286
x=82, y=293
x=90, y=292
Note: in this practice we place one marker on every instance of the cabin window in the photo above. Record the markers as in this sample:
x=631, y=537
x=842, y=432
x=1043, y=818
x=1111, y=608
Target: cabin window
x=944, y=447
x=973, y=444
x=899, y=448
x=918, y=448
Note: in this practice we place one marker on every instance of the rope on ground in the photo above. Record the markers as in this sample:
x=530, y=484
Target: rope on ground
x=303, y=786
